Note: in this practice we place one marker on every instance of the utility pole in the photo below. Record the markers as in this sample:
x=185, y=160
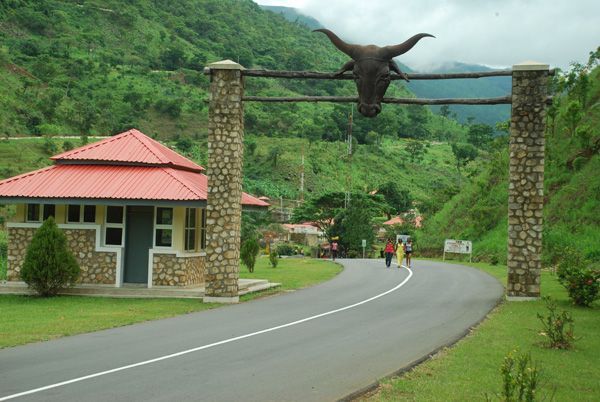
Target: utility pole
x=349, y=141
x=302, y=176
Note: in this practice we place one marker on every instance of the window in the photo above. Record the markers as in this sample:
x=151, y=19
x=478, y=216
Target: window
x=38, y=212
x=113, y=234
x=33, y=212
x=190, y=229
x=79, y=213
x=203, y=229
x=163, y=227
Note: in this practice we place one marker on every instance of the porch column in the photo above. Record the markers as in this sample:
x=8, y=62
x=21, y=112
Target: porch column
x=225, y=157
x=526, y=180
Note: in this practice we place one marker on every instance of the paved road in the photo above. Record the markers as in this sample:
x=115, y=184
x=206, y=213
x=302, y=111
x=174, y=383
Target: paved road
x=323, y=358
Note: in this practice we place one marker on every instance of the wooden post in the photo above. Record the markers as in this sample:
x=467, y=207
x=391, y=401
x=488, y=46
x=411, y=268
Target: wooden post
x=526, y=180
x=223, y=205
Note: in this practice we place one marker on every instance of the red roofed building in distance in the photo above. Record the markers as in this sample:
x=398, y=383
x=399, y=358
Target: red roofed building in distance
x=132, y=209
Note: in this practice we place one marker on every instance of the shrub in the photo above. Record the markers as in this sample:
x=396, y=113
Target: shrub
x=49, y=266
x=274, y=259
x=68, y=145
x=285, y=249
x=557, y=326
x=248, y=253
x=579, y=277
x=520, y=378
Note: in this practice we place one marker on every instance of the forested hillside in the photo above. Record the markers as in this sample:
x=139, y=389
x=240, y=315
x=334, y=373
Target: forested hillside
x=571, y=183
x=100, y=67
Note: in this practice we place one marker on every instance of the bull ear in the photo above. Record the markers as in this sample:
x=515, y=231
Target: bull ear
x=394, y=67
x=346, y=67
x=347, y=48
x=389, y=52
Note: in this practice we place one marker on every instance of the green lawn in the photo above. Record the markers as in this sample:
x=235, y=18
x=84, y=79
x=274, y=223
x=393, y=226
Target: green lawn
x=471, y=368
x=25, y=319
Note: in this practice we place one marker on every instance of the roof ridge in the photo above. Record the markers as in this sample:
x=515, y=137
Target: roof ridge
x=170, y=170
x=151, y=148
x=91, y=146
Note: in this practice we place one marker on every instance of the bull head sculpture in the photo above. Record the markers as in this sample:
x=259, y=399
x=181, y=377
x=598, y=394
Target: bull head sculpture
x=371, y=66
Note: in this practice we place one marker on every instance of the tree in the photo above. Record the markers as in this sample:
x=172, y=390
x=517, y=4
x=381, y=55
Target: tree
x=353, y=224
x=445, y=111
x=572, y=115
x=480, y=135
x=398, y=199
x=416, y=151
x=464, y=153
x=248, y=253
x=49, y=265
x=321, y=211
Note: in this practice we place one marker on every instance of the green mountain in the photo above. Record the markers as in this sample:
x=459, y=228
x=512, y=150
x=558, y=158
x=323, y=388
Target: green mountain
x=293, y=15
x=571, y=183
x=467, y=88
x=101, y=67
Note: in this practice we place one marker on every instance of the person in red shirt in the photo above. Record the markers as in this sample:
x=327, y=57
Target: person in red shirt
x=389, y=252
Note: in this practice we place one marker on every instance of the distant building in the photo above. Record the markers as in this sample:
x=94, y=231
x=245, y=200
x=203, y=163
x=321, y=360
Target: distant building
x=303, y=233
x=132, y=209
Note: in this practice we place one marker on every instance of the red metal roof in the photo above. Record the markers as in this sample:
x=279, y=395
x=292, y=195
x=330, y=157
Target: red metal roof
x=144, y=172
x=130, y=147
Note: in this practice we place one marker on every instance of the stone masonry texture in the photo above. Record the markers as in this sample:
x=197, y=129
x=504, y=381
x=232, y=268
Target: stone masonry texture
x=225, y=155
x=526, y=182
x=97, y=267
x=170, y=270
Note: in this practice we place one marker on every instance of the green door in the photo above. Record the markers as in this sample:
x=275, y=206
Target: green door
x=138, y=240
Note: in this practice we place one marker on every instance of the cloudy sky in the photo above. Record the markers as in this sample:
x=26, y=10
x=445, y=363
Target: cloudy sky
x=497, y=33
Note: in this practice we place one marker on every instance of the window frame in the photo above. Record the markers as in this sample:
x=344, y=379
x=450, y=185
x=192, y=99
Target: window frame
x=81, y=213
x=40, y=212
x=113, y=225
x=202, y=231
x=190, y=227
x=163, y=226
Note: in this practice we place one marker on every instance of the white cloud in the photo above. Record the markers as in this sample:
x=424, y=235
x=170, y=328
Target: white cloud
x=496, y=33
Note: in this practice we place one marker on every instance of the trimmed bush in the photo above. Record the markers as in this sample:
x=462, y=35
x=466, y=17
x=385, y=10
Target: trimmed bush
x=285, y=249
x=274, y=259
x=49, y=266
x=579, y=277
x=248, y=253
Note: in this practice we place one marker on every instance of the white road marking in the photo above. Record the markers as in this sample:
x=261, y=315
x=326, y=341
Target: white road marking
x=185, y=352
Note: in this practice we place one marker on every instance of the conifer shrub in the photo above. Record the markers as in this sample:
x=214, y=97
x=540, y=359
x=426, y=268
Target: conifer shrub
x=49, y=266
x=274, y=259
x=248, y=253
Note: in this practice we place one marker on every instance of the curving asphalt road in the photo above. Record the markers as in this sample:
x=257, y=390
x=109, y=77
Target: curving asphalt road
x=316, y=344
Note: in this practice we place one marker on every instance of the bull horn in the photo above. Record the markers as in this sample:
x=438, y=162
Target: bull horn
x=347, y=48
x=389, y=52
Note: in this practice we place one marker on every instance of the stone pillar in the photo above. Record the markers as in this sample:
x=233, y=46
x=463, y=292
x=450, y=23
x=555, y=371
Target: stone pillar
x=225, y=157
x=526, y=180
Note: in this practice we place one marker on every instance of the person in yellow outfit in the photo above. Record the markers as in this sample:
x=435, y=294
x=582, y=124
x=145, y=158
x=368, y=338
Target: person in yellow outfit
x=399, y=252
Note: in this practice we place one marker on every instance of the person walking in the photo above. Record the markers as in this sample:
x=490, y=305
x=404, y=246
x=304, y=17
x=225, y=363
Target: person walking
x=334, y=250
x=400, y=252
x=389, y=252
x=408, y=249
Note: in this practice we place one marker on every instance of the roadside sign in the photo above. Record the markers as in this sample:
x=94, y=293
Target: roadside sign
x=458, y=247
x=364, y=243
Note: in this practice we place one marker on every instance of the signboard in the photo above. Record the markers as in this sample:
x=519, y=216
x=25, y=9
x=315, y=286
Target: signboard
x=364, y=243
x=404, y=238
x=458, y=247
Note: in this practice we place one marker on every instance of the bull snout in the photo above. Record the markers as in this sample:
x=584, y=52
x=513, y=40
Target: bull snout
x=369, y=110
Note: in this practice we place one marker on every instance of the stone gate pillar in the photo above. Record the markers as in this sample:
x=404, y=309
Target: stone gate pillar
x=225, y=157
x=526, y=180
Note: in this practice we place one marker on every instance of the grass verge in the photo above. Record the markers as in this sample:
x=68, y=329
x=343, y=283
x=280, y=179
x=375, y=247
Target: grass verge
x=25, y=319
x=471, y=369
